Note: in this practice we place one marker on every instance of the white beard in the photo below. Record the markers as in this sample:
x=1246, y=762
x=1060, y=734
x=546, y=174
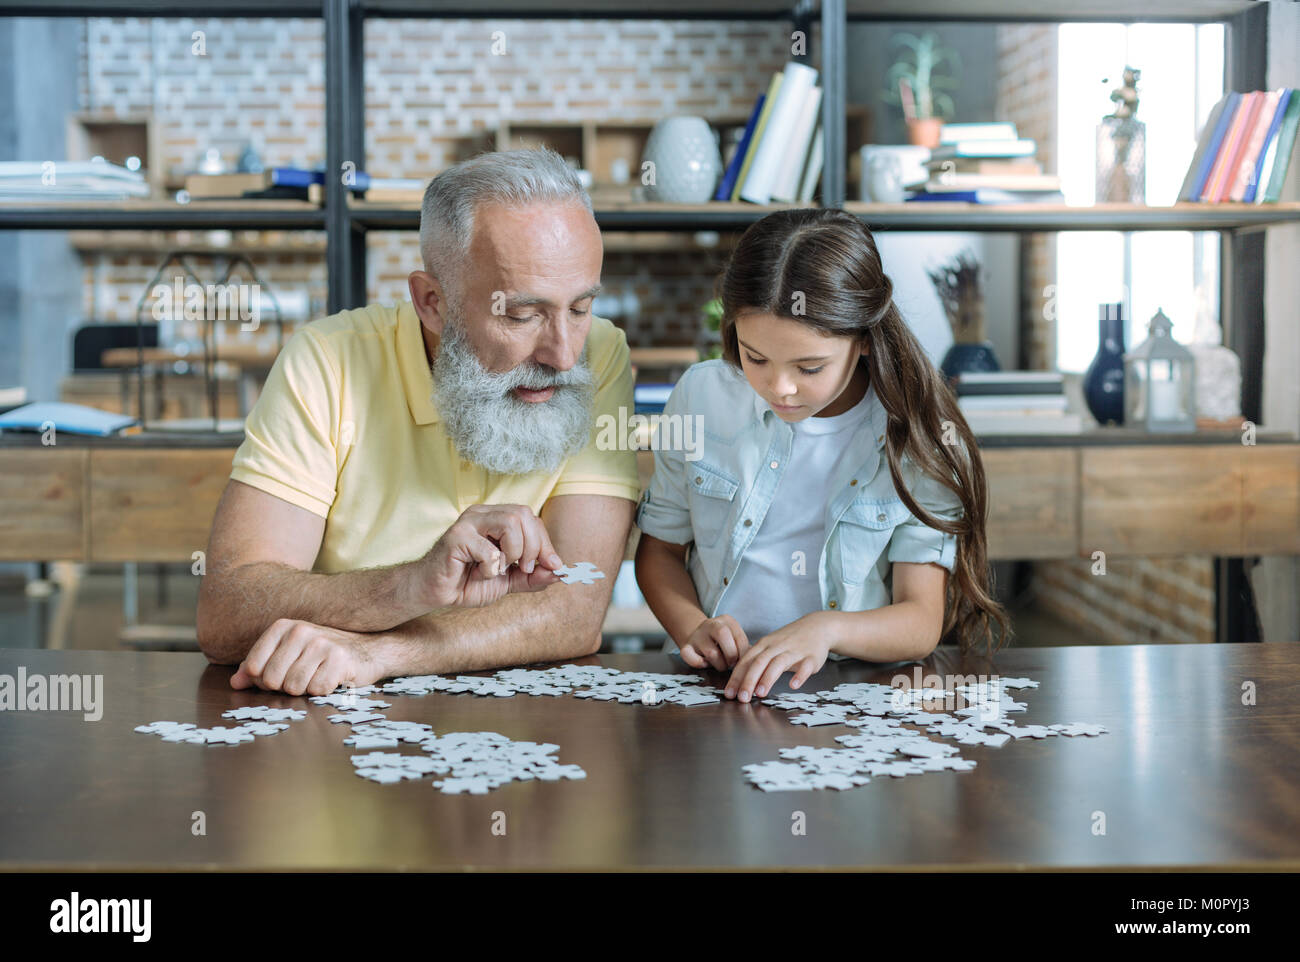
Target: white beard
x=492, y=427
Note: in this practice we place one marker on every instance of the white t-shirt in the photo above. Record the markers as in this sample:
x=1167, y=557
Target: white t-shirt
x=776, y=581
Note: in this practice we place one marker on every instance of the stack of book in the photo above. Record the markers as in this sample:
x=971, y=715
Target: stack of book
x=69, y=180
x=780, y=155
x=1245, y=148
x=297, y=183
x=1016, y=402
x=986, y=163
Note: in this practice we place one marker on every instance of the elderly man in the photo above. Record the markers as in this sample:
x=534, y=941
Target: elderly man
x=394, y=448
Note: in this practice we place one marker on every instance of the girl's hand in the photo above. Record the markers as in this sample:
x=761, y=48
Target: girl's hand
x=719, y=642
x=801, y=647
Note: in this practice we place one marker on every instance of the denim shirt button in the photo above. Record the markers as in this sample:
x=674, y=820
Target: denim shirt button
x=832, y=604
x=698, y=479
x=881, y=516
x=725, y=581
x=748, y=522
x=774, y=465
x=853, y=483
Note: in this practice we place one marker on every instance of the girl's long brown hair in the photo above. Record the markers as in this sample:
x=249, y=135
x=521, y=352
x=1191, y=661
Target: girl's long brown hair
x=830, y=257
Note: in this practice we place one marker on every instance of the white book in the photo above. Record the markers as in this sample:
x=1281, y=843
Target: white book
x=994, y=424
x=1014, y=402
x=813, y=171
x=787, y=184
x=798, y=80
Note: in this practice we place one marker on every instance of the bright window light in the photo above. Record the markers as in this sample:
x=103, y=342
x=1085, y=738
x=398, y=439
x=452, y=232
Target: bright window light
x=1182, y=78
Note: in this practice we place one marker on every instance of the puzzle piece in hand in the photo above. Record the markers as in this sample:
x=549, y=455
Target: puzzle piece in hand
x=583, y=573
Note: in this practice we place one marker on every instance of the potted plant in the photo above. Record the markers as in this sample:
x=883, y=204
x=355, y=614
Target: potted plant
x=710, y=336
x=958, y=284
x=917, y=81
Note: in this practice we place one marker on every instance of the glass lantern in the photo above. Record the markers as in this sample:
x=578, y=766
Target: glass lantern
x=1160, y=382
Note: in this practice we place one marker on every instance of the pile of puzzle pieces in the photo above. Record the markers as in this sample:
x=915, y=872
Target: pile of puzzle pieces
x=477, y=762
x=881, y=746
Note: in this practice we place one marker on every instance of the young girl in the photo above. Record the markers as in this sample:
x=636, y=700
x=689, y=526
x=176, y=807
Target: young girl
x=838, y=484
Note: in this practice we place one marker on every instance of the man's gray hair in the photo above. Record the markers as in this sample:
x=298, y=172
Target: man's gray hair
x=514, y=178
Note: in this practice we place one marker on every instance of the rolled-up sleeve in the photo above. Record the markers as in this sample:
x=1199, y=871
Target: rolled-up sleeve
x=663, y=512
x=913, y=541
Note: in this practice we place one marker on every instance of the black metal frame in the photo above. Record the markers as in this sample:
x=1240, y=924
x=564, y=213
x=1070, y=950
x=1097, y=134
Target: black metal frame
x=1241, y=273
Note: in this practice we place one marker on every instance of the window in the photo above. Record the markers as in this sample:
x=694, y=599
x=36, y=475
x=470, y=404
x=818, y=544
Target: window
x=1182, y=78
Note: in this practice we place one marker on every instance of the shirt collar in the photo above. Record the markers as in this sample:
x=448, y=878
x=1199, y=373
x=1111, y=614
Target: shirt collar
x=413, y=364
x=877, y=416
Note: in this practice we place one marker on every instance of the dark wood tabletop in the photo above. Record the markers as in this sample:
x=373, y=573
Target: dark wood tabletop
x=1187, y=777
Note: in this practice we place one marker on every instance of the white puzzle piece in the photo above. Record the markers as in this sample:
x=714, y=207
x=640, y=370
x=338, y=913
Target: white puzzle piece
x=583, y=573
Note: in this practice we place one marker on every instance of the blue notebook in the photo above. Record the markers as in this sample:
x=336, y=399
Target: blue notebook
x=71, y=418
x=728, y=182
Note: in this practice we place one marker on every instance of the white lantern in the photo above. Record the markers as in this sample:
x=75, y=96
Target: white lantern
x=1160, y=382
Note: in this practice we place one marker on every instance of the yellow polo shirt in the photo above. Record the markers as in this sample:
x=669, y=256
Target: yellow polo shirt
x=346, y=428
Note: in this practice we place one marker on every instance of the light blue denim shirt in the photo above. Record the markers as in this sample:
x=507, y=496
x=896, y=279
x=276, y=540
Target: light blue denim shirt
x=716, y=496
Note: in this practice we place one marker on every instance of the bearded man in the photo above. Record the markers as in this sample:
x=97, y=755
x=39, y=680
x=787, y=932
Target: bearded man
x=412, y=476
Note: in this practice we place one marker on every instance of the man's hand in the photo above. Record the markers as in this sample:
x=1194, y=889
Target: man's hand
x=800, y=647
x=491, y=551
x=297, y=658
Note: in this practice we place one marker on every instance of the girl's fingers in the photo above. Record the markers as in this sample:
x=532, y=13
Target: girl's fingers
x=691, y=656
x=710, y=650
x=775, y=669
x=752, y=674
x=742, y=640
x=803, y=672
x=726, y=644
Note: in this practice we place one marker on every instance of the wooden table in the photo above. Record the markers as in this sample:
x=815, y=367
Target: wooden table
x=1187, y=777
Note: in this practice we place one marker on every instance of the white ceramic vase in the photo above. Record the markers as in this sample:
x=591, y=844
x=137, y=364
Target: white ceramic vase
x=686, y=161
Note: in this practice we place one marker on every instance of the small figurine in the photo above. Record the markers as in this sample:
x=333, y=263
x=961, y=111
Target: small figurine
x=1126, y=97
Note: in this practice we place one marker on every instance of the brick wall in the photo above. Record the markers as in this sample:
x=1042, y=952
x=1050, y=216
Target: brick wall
x=1137, y=600
x=429, y=85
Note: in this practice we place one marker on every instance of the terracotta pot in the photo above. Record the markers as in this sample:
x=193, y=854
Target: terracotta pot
x=924, y=132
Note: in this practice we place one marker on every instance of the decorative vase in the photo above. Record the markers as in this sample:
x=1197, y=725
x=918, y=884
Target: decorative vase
x=687, y=165
x=1218, y=380
x=968, y=359
x=924, y=131
x=1103, y=382
x=1121, y=161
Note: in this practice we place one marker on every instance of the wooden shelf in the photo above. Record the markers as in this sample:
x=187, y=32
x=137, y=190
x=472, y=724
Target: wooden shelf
x=1049, y=11
x=163, y=215
x=1062, y=217
x=156, y=242
x=629, y=216
x=942, y=10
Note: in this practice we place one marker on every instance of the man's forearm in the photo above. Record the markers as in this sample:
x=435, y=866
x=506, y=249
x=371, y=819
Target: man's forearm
x=237, y=604
x=561, y=621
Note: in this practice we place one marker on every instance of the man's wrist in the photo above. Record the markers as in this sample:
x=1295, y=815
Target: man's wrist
x=416, y=590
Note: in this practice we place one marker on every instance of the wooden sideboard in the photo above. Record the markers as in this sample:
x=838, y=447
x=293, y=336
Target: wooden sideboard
x=145, y=500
